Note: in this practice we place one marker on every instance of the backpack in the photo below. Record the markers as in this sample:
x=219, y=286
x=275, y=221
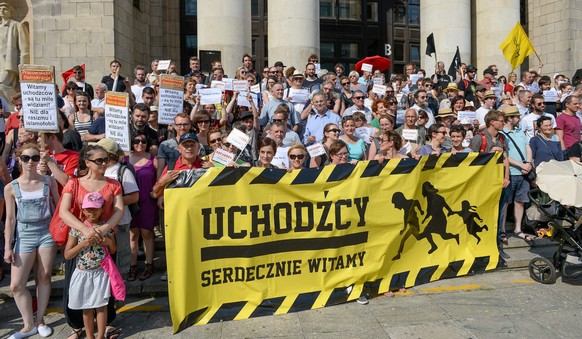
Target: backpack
x=133, y=208
x=484, y=141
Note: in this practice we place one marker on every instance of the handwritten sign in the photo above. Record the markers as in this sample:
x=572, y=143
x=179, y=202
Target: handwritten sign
x=317, y=67
x=163, y=65
x=550, y=96
x=210, y=96
x=228, y=84
x=364, y=133
x=117, y=119
x=298, y=96
x=378, y=81
x=223, y=157
x=410, y=134
x=171, y=98
x=466, y=117
x=238, y=138
x=244, y=101
x=256, y=88
x=281, y=159
x=415, y=77
x=39, y=98
x=217, y=84
x=200, y=86
x=316, y=150
x=367, y=67
x=240, y=85
x=379, y=89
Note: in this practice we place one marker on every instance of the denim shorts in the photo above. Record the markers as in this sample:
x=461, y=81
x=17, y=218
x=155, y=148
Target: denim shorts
x=32, y=236
x=519, y=187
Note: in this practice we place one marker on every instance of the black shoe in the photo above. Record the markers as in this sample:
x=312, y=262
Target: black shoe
x=503, y=255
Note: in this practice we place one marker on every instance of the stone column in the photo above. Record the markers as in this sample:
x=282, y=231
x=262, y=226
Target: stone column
x=494, y=19
x=293, y=28
x=225, y=26
x=450, y=22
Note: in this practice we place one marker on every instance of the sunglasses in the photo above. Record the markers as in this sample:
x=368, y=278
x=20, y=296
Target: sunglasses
x=99, y=161
x=279, y=120
x=203, y=122
x=359, y=98
x=139, y=141
x=334, y=130
x=27, y=158
x=227, y=144
x=296, y=156
x=215, y=140
x=345, y=83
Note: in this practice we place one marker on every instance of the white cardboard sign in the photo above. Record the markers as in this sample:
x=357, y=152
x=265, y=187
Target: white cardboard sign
x=117, y=119
x=367, y=67
x=238, y=138
x=210, y=96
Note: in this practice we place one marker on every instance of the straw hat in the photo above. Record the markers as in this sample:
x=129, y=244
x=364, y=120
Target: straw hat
x=489, y=94
x=451, y=86
x=511, y=111
x=445, y=112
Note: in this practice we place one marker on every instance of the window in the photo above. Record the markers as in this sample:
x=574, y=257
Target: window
x=255, y=7
x=414, y=12
x=349, y=50
x=327, y=9
x=190, y=7
x=399, y=12
x=327, y=50
x=398, y=50
x=414, y=52
x=372, y=11
x=350, y=9
x=192, y=44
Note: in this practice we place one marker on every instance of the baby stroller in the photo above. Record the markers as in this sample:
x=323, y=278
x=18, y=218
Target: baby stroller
x=562, y=183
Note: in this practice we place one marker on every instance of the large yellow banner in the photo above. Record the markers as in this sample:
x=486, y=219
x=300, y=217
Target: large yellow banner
x=248, y=242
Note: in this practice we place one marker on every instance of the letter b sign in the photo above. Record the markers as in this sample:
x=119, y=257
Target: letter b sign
x=387, y=49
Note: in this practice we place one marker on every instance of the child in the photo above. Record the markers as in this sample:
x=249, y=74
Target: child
x=90, y=287
x=470, y=218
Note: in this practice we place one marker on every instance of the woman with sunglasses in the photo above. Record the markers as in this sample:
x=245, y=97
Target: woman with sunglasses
x=201, y=121
x=34, y=248
x=69, y=98
x=215, y=142
x=297, y=155
x=390, y=144
x=93, y=162
x=14, y=140
x=331, y=133
x=227, y=146
x=338, y=153
x=240, y=73
x=436, y=136
x=267, y=95
x=346, y=94
x=82, y=118
x=354, y=84
x=143, y=223
x=356, y=146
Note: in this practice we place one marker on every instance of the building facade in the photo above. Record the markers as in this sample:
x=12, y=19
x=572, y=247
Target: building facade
x=69, y=32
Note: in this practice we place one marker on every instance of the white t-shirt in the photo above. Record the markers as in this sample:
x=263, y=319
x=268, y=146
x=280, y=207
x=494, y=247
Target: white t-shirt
x=528, y=123
x=129, y=186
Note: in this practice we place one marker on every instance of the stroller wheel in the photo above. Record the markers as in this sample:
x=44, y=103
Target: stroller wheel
x=542, y=270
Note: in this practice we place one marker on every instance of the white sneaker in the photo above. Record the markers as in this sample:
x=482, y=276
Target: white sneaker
x=22, y=335
x=164, y=276
x=44, y=330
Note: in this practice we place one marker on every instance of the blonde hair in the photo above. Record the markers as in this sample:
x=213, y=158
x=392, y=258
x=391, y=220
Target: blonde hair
x=297, y=146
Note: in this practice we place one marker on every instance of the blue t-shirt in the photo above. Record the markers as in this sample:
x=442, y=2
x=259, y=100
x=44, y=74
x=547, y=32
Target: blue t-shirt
x=356, y=150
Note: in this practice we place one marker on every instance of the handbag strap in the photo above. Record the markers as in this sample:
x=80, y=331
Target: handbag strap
x=545, y=144
x=516, y=147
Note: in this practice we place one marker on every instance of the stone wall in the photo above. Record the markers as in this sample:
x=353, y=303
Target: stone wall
x=555, y=30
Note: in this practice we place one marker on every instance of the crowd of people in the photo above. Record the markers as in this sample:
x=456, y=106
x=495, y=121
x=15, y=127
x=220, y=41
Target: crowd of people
x=304, y=117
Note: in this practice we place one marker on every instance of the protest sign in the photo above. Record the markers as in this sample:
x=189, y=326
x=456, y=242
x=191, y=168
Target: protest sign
x=163, y=65
x=298, y=95
x=316, y=150
x=414, y=78
x=466, y=117
x=210, y=96
x=410, y=134
x=378, y=81
x=256, y=88
x=117, y=119
x=39, y=98
x=171, y=98
x=379, y=89
x=222, y=156
x=281, y=159
x=367, y=67
x=248, y=242
x=238, y=139
x=228, y=84
x=364, y=133
x=243, y=101
x=217, y=84
x=550, y=96
x=240, y=85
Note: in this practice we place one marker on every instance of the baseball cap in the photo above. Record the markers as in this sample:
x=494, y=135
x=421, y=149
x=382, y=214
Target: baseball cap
x=92, y=200
x=489, y=71
x=279, y=64
x=188, y=137
x=246, y=115
x=471, y=68
x=108, y=144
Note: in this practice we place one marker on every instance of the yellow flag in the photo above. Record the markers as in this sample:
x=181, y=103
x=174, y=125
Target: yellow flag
x=516, y=46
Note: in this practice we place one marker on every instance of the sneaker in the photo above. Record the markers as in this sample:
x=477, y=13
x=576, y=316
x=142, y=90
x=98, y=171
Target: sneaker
x=22, y=335
x=164, y=276
x=44, y=330
x=362, y=300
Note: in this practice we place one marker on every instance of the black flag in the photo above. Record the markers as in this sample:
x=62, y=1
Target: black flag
x=430, y=48
x=455, y=64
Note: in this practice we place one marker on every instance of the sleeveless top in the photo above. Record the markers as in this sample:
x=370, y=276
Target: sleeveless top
x=83, y=127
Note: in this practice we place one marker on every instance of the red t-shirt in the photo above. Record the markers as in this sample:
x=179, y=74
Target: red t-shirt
x=11, y=123
x=570, y=125
x=181, y=166
x=67, y=161
x=108, y=192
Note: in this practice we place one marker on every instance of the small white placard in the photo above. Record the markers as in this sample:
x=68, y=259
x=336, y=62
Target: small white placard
x=378, y=81
x=238, y=138
x=498, y=91
x=298, y=96
x=228, y=84
x=256, y=88
x=379, y=89
x=316, y=150
x=217, y=84
x=367, y=67
x=117, y=119
x=550, y=96
x=243, y=101
x=317, y=68
x=209, y=96
x=414, y=78
x=364, y=133
x=222, y=156
x=281, y=159
x=163, y=65
x=466, y=117
x=240, y=85
x=39, y=106
x=200, y=86
x=410, y=134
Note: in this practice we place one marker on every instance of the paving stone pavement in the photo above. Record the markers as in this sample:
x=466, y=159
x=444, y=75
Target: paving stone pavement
x=501, y=304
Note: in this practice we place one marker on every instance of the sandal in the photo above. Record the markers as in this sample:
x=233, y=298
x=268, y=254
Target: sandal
x=147, y=272
x=76, y=333
x=525, y=237
x=503, y=238
x=112, y=332
x=132, y=275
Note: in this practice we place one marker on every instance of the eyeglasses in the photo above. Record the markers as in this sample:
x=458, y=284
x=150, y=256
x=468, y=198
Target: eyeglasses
x=203, y=122
x=139, y=141
x=99, y=161
x=272, y=72
x=279, y=120
x=27, y=158
x=345, y=83
x=20, y=117
x=215, y=140
x=540, y=104
x=341, y=155
x=334, y=130
x=443, y=132
x=182, y=125
x=243, y=72
x=393, y=103
x=358, y=98
x=296, y=156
